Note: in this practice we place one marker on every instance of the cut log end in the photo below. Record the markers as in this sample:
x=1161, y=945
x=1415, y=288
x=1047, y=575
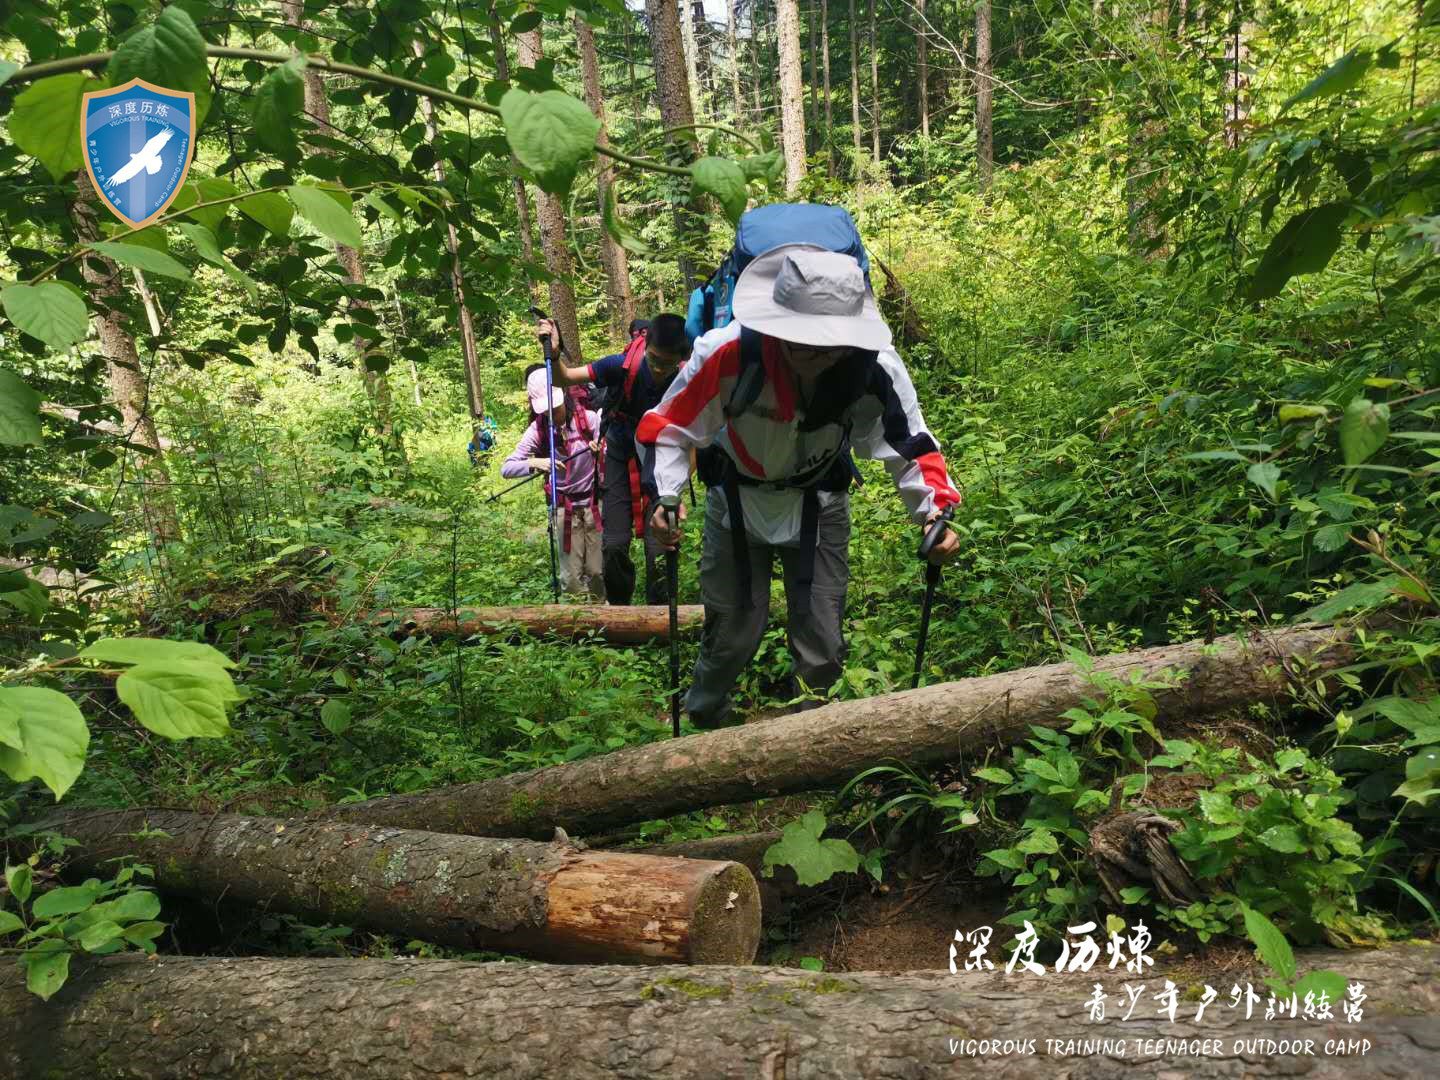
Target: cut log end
x=725, y=917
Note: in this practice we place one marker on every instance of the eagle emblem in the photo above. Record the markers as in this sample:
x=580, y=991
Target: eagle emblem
x=139, y=142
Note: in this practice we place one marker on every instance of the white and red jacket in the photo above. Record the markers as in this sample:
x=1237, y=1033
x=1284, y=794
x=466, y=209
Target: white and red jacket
x=777, y=438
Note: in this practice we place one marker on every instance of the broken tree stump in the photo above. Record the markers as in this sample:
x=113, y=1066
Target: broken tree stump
x=554, y=900
x=827, y=746
x=181, y=1018
x=616, y=624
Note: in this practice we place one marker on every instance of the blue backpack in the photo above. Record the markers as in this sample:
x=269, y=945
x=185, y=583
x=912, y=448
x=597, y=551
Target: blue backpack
x=759, y=230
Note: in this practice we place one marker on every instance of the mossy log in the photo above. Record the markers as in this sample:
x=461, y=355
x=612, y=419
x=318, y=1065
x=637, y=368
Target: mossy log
x=555, y=900
x=826, y=747
x=615, y=624
x=179, y=1018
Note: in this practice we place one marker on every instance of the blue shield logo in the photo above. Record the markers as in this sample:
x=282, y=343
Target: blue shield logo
x=139, y=140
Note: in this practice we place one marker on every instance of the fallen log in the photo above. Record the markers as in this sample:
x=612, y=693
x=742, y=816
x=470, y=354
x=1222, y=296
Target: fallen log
x=620, y=625
x=552, y=900
x=306, y=1019
x=827, y=746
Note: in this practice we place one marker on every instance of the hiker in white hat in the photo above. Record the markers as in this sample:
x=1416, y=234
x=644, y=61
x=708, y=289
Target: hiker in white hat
x=571, y=434
x=775, y=402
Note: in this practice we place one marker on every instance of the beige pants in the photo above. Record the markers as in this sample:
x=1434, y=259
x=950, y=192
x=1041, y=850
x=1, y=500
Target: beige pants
x=580, y=567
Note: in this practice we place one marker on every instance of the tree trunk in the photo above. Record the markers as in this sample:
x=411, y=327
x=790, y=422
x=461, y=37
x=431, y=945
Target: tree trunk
x=617, y=264
x=1237, y=77
x=704, y=62
x=152, y=309
x=129, y=386
x=825, y=72
x=517, y=183
x=552, y=900
x=377, y=385
x=874, y=88
x=792, y=93
x=550, y=213
x=984, y=99
x=470, y=355
x=401, y=336
x=737, y=102
x=855, y=93
x=625, y=625
x=227, y=1018
x=922, y=45
x=692, y=60
x=757, y=25
x=673, y=90
x=813, y=77
x=827, y=746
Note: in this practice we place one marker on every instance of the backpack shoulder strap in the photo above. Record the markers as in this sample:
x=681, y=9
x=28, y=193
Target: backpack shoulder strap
x=752, y=374
x=634, y=353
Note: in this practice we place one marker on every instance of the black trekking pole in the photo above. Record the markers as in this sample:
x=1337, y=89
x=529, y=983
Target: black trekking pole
x=933, y=536
x=671, y=505
x=550, y=419
x=532, y=476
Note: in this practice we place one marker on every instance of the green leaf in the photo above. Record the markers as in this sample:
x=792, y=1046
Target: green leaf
x=327, y=215
x=48, y=311
x=99, y=934
x=814, y=860
x=179, y=700
x=279, y=99
x=209, y=249
x=994, y=775
x=46, y=968
x=17, y=880
x=169, y=53
x=550, y=133
x=9, y=923
x=1006, y=857
x=1286, y=760
x=1304, y=245
x=10, y=733
x=622, y=235
x=7, y=68
x=1363, y=594
x=724, y=179
x=67, y=901
x=1290, y=414
x=269, y=209
x=45, y=121
x=1340, y=76
x=1363, y=429
x=205, y=190
x=1283, y=838
x=525, y=22
x=144, y=934
x=154, y=651
x=19, y=409
x=1039, y=842
x=1330, y=983
x=374, y=199
x=142, y=258
x=138, y=904
x=53, y=733
x=1264, y=475
x=1274, y=950
x=1217, y=808
x=335, y=715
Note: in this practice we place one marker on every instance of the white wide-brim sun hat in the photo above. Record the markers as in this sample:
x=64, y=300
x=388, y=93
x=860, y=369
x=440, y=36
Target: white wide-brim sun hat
x=812, y=296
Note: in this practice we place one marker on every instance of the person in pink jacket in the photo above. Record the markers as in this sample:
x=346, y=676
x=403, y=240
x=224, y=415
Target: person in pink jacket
x=570, y=434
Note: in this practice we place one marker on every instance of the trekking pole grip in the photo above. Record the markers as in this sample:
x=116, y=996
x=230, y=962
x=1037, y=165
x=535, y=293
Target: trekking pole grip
x=935, y=533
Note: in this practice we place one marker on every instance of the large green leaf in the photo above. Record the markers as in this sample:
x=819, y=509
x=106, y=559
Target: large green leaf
x=10, y=733
x=814, y=860
x=269, y=209
x=1264, y=475
x=1363, y=429
x=19, y=410
x=45, y=121
x=66, y=901
x=49, y=311
x=1304, y=245
x=168, y=53
x=54, y=735
x=1340, y=76
x=142, y=258
x=204, y=190
x=1362, y=594
x=1274, y=950
x=154, y=651
x=327, y=215
x=725, y=180
x=179, y=700
x=550, y=133
x=46, y=968
x=279, y=99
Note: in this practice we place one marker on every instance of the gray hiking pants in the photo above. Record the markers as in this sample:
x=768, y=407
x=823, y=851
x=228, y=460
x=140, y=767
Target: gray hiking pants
x=732, y=634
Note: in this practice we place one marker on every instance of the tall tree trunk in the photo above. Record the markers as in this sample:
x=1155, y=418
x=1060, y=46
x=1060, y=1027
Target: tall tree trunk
x=469, y=353
x=692, y=61
x=738, y=108
x=874, y=88
x=792, y=93
x=757, y=24
x=825, y=72
x=617, y=264
x=414, y=370
x=673, y=90
x=550, y=900
x=813, y=75
x=855, y=92
x=922, y=45
x=704, y=59
x=377, y=385
x=338, y=1018
x=827, y=746
x=1237, y=78
x=984, y=99
x=550, y=213
x=129, y=387
x=517, y=183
